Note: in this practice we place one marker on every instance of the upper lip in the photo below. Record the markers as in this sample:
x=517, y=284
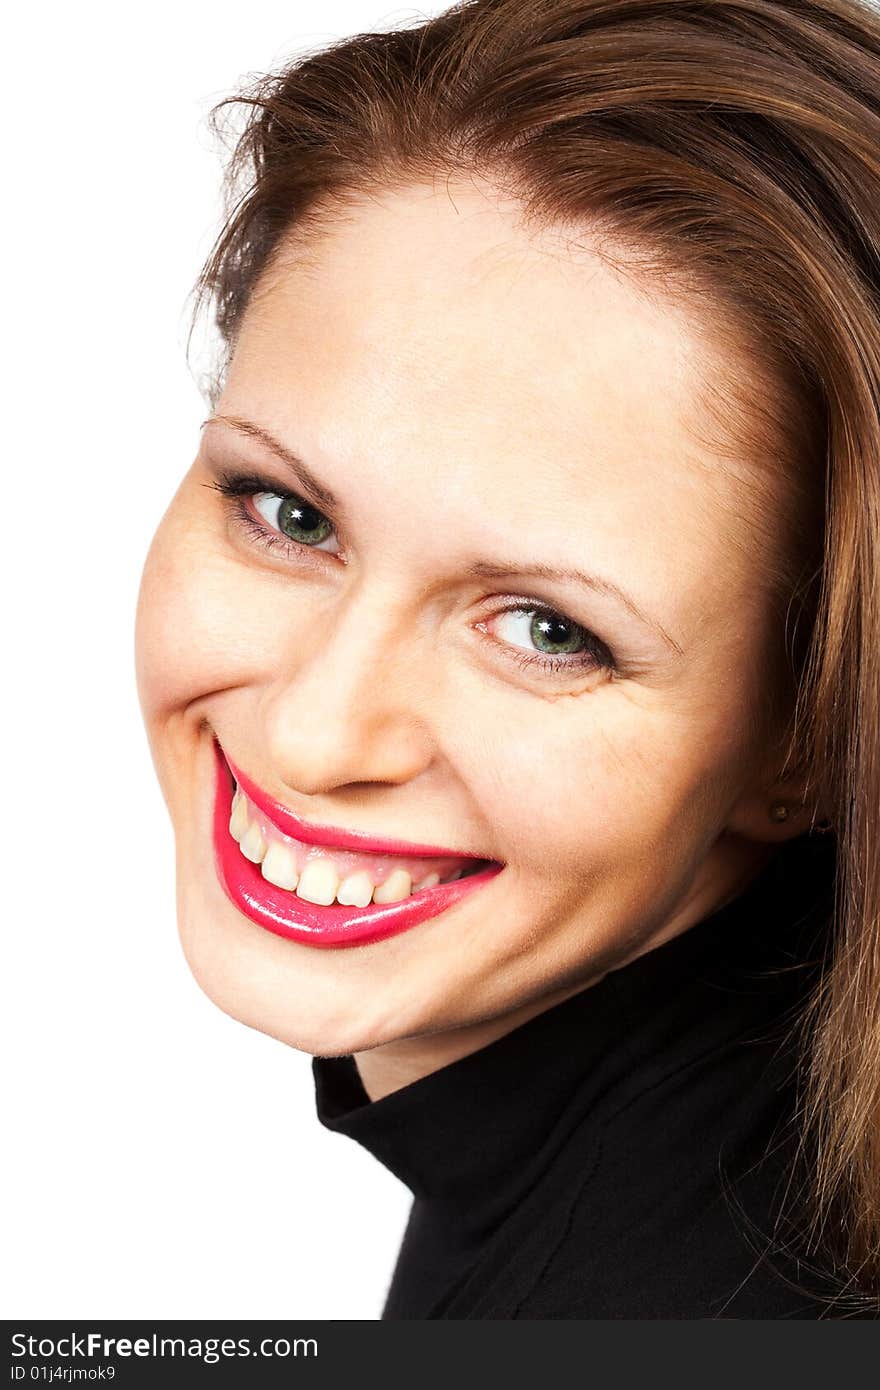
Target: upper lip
x=331, y=835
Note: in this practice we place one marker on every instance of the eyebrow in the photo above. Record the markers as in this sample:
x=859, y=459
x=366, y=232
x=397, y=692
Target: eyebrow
x=479, y=569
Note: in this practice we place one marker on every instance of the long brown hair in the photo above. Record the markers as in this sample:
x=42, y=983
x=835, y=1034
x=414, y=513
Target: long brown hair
x=727, y=151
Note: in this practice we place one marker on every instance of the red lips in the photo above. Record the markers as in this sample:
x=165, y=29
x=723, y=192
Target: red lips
x=285, y=914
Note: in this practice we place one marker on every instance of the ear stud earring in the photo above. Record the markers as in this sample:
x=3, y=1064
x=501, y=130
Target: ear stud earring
x=779, y=813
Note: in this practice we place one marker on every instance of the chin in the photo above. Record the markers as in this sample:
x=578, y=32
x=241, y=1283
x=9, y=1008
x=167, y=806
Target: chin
x=287, y=991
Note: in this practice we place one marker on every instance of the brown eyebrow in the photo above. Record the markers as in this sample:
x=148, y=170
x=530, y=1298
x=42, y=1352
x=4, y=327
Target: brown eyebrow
x=479, y=569
x=485, y=569
x=304, y=476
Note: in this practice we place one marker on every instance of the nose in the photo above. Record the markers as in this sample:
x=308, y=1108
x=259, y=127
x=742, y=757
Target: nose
x=348, y=707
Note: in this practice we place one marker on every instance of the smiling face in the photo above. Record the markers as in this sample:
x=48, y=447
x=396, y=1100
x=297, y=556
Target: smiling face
x=419, y=660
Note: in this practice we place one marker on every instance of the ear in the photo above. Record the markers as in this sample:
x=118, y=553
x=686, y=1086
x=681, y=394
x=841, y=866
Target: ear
x=775, y=810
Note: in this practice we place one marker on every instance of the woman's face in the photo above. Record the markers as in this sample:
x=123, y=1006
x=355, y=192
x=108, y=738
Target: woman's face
x=419, y=661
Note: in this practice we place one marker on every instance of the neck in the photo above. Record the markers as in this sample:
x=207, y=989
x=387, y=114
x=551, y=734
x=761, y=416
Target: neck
x=397, y=1064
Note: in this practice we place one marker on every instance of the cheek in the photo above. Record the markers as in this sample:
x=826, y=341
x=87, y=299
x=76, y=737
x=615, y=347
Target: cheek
x=587, y=782
x=198, y=624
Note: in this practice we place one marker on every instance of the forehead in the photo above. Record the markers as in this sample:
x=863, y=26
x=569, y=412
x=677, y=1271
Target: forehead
x=426, y=335
x=427, y=293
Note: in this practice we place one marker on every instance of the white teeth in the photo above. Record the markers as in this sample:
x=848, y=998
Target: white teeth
x=396, y=886
x=279, y=866
x=318, y=882
x=252, y=844
x=238, y=821
x=356, y=890
x=430, y=882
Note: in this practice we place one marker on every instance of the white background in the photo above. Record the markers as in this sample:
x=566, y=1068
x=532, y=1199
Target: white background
x=160, y=1160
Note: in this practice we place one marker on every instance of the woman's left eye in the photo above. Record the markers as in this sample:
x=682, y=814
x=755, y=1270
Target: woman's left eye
x=550, y=640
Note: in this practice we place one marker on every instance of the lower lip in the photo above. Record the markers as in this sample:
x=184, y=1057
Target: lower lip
x=287, y=915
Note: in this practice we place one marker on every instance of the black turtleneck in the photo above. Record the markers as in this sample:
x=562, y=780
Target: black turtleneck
x=624, y=1153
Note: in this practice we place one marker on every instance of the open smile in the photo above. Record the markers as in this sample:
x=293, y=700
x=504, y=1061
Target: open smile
x=342, y=889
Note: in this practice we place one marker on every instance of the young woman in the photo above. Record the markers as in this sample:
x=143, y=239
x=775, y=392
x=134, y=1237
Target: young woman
x=510, y=652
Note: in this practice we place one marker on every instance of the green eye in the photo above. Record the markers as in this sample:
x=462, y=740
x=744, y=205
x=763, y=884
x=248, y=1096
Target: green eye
x=302, y=523
x=555, y=635
x=547, y=640
x=540, y=629
x=294, y=518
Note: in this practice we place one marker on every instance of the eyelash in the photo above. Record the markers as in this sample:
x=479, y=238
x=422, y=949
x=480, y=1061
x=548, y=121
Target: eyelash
x=235, y=488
